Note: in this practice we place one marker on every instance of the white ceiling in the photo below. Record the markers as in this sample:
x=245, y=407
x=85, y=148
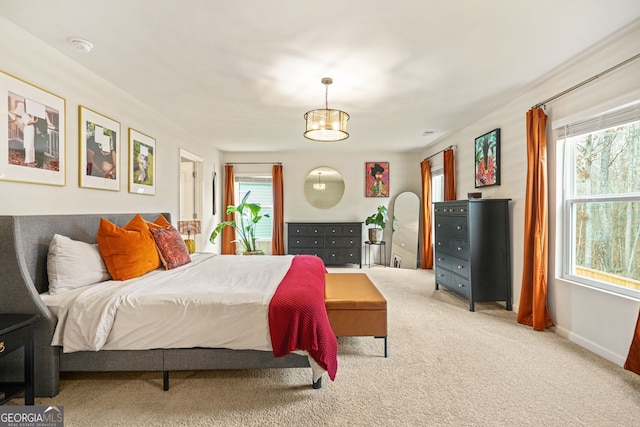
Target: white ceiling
x=241, y=74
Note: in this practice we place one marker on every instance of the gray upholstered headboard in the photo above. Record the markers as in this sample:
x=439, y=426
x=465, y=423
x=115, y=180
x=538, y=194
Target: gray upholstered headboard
x=31, y=235
x=24, y=244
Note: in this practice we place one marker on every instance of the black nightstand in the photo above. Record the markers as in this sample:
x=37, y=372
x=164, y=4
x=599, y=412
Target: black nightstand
x=16, y=330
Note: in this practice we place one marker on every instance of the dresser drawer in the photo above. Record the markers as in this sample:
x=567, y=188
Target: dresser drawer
x=452, y=208
x=13, y=340
x=306, y=230
x=319, y=252
x=342, y=256
x=341, y=242
x=452, y=225
x=343, y=230
x=459, y=248
x=306, y=242
x=454, y=282
x=454, y=264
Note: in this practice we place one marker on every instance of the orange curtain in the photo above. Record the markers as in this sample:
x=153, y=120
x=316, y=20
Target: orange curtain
x=633, y=358
x=277, y=238
x=533, y=297
x=228, y=233
x=449, y=175
x=426, y=256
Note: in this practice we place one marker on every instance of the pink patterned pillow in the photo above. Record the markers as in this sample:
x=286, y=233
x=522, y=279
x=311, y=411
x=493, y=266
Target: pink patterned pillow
x=171, y=247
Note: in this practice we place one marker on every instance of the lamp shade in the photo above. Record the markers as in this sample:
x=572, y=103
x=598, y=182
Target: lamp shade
x=326, y=125
x=189, y=227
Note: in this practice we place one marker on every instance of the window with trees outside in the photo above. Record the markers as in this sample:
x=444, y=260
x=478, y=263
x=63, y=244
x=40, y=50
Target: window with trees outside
x=601, y=200
x=262, y=194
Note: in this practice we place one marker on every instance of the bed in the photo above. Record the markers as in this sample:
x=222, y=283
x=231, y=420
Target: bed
x=287, y=338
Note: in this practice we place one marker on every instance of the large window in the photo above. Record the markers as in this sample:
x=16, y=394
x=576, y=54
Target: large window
x=601, y=200
x=262, y=194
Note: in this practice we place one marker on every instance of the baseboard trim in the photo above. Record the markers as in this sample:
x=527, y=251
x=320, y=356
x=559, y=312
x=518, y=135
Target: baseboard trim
x=591, y=346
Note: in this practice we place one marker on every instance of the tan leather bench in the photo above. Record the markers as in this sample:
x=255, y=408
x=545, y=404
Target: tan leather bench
x=355, y=307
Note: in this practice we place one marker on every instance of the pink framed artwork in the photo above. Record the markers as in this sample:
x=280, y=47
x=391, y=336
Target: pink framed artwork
x=377, y=179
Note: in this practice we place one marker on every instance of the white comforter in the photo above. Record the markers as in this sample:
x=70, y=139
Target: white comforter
x=215, y=301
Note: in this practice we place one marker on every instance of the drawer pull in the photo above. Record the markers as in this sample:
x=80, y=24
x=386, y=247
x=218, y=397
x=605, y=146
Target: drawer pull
x=459, y=227
x=459, y=248
x=440, y=275
x=2, y=348
x=315, y=242
x=297, y=241
x=460, y=267
x=439, y=225
x=440, y=259
x=333, y=242
x=460, y=285
x=439, y=243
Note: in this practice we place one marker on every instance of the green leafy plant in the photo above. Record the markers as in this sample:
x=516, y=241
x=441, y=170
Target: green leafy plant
x=247, y=218
x=379, y=219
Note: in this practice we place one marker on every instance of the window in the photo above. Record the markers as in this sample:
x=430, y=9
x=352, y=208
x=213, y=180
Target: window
x=437, y=185
x=262, y=194
x=601, y=200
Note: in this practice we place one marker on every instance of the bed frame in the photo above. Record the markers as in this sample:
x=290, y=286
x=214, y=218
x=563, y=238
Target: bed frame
x=24, y=244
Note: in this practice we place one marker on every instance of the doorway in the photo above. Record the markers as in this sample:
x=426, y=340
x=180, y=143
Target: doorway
x=191, y=188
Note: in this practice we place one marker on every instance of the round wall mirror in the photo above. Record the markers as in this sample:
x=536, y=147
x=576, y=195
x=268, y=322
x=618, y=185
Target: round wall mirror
x=324, y=187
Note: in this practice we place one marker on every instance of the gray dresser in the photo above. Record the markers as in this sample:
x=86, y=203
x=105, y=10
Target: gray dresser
x=472, y=249
x=335, y=242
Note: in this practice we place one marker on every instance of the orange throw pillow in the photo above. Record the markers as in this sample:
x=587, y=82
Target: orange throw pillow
x=160, y=222
x=128, y=251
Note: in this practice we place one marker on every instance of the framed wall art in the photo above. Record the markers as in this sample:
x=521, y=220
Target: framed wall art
x=487, y=159
x=142, y=162
x=377, y=179
x=32, y=146
x=99, y=151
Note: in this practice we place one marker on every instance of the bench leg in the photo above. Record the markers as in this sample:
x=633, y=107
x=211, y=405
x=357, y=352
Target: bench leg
x=385, y=345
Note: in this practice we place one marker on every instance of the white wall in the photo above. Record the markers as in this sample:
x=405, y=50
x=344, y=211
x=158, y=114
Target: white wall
x=599, y=321
x=404, y=175
x=48, y=69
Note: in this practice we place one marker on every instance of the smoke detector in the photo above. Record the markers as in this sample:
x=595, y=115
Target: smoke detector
x=81, y=44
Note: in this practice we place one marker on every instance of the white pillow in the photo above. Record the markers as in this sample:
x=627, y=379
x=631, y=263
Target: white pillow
x=72, y=264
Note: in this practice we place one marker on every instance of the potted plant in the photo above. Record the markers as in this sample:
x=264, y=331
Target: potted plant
x=379, y=220
x=247, y=218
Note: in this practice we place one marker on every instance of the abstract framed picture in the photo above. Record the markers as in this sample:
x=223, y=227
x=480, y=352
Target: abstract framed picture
x=377, y=179
x=32, y=146
x=487, y=159
x=142, y=158
x=99, y=151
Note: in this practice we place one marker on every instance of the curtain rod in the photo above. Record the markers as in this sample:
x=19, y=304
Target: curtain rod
x=443, y=150
x=253, y=163
x=589, y=80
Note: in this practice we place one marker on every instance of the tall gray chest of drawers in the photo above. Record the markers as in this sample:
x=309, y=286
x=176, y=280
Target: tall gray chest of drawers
x=335, y=242
x=472, y=249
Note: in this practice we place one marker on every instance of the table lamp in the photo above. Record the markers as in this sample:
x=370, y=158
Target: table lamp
x=189, y=228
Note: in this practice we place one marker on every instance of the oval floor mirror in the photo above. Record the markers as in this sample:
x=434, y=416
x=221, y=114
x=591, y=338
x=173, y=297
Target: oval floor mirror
x=404, y=241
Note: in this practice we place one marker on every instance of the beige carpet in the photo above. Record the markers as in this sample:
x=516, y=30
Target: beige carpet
x=446, y=366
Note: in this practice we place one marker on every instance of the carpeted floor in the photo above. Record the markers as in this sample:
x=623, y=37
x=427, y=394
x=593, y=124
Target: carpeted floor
x=446, y=366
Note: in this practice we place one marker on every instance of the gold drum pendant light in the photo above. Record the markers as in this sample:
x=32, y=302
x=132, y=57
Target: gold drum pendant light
x=326, y=125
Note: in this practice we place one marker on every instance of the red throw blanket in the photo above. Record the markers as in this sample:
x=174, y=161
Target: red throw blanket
x=298, y=317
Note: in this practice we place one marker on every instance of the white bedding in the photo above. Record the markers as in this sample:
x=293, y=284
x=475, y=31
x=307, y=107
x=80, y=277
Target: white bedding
x=215, y=301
